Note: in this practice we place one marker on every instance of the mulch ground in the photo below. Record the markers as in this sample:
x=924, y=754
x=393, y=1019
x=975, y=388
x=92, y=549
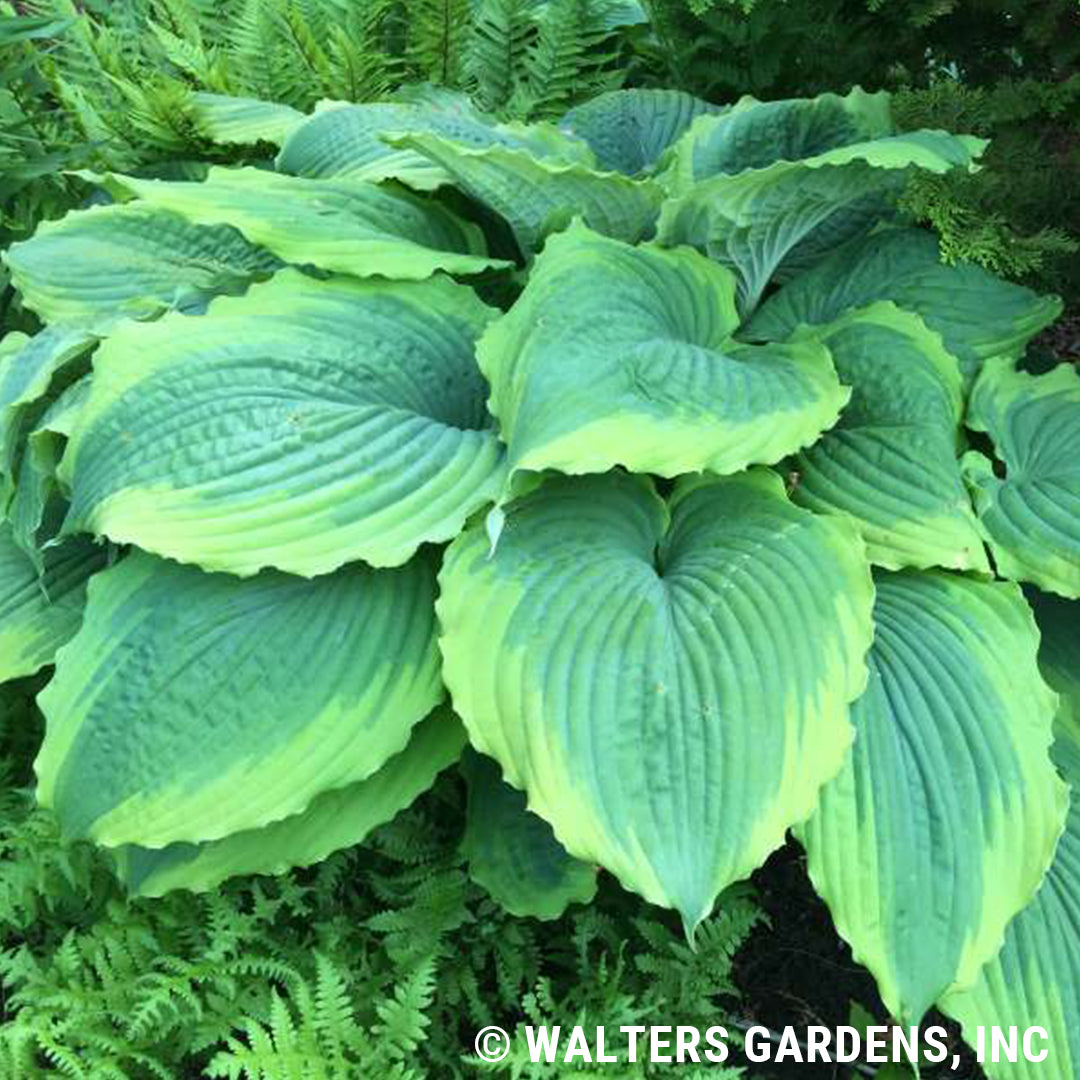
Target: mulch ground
x=1062, y=339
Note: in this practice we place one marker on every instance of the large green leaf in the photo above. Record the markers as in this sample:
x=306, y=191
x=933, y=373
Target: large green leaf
x=1031, y=515
x=977, y=314
x=239, y=120
x=944, y=820
x=39, y=612
x=135, y=260
x=615, y=355
x=25, y=379
x=629, y=130
x=190, y=705
x=513, y=853
x=342, y=140
x=789, y=215
x=350, y=226
x=668, y=682
x=755, y=134
x=302, y=426
x=891, y=461
x=334, y=820
x=1035, y=979
x=537, y=196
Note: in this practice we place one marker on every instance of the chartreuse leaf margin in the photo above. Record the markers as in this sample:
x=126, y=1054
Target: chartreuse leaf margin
x=335, y=819
x=647, y=452
x=338, y=224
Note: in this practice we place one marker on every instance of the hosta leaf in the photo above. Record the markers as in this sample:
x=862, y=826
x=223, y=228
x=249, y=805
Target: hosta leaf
x=134, y=260
x=302, y=426
x=513, y=853
x=977, y=314
x=351, y=140
x=334, y=820
x=192, y=705
x=1035, y=980
x=943, y=822
x=1031, y=516
x=536, y=196
x=792, y=213
x=755, y=134
x=345, y=140
x=349, y=226
x=38, y=500
x=25, y=378
x=40, y=612
x=240, y=120
x=629, y=130
x=621, y=355
x=669, y=684
x=891, y=461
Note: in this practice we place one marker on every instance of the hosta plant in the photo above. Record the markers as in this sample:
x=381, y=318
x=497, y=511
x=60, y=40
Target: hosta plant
x=645, y=452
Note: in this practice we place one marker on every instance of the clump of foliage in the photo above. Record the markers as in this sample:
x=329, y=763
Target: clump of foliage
x=653, y=439
x=138, y=85
x=126, y=85
x=387, y=957
x=1003, y=69
x=125, y=71
x=1013, y=216
x=37, y=142
x=867, y=42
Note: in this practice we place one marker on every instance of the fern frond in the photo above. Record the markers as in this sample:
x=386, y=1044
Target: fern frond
x=499, y=39
x=403, y=1020
x=437, y=31
x=571, y=59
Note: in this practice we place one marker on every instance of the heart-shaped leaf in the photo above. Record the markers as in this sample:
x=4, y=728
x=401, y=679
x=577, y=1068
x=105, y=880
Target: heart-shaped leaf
x=669, y=684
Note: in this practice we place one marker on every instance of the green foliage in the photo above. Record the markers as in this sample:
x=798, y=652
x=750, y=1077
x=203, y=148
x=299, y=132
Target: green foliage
x=1014, y=216
x=36, y=141
x=386, y=957
x=437, y=31
x=641, y=387
x=653, y=522
x=571, y=60
x=1004, y=69
x=124, y=72
x=873, y=43
x=109, y=85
